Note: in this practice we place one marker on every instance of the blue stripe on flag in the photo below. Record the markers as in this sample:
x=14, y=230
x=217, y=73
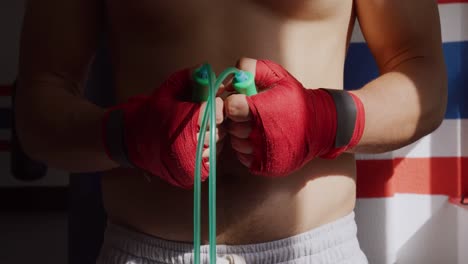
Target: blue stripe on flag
x=360, y=68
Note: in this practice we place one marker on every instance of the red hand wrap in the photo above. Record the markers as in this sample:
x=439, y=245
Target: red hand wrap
x=160, y=131
x=291, y=124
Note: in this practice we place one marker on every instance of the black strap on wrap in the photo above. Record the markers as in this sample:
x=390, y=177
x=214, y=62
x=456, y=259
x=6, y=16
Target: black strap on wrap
x=115, y=142
x=346, y=112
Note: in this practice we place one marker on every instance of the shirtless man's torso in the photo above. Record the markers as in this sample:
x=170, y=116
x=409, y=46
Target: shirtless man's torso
x=151, y=39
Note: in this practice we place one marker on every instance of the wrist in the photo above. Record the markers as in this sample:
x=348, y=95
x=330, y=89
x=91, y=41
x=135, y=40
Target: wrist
x=349, y=119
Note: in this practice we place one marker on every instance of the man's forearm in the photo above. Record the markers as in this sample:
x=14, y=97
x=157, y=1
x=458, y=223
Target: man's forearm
x=60, y=128
x=403, y=105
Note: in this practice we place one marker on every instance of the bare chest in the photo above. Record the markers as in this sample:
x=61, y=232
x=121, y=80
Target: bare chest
x=191, y=13
x=167, y=35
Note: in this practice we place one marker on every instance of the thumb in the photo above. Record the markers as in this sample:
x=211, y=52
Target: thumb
x=267, y=73
x=237, y=108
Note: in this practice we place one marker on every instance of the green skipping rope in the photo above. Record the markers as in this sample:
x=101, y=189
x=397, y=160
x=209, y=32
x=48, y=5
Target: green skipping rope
x=206, y=88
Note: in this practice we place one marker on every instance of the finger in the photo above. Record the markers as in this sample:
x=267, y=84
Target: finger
x=221, y=90
x=236, y=108
x=202, y=111
x=219, y=149
x=219, y=110
x=240, y=129
x=241, y=145
x=267, y=73
x=206, y=152
x=245, y=159
x=247, y=64
x=244, y=64
x=220, y=136
x=206, y=142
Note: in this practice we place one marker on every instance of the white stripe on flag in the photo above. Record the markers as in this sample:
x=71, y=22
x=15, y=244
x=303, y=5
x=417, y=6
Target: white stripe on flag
x=406, y=227
x=357, y=36
x=453, y=20
x=446, y=141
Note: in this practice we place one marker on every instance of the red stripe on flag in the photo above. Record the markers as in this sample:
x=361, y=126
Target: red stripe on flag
x=383, y=178
x=5, y=90
x=5, y=145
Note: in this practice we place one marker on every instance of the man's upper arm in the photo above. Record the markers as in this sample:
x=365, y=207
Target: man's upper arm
x=400, y=30
x=58, y=40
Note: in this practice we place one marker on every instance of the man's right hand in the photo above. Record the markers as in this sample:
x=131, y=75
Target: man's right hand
x=158, y=133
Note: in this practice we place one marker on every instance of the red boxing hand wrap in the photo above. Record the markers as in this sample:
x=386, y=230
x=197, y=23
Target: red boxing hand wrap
x=292, y=125
x=158, y=132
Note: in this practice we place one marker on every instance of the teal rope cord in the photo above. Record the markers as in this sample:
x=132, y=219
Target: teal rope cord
x=211, y=110
x=197, y=178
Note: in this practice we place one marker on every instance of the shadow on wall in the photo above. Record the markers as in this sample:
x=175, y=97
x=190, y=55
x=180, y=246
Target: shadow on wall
x=436, y=241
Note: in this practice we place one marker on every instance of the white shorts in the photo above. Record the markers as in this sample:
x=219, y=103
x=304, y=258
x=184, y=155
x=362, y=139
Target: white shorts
x=332, y=243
